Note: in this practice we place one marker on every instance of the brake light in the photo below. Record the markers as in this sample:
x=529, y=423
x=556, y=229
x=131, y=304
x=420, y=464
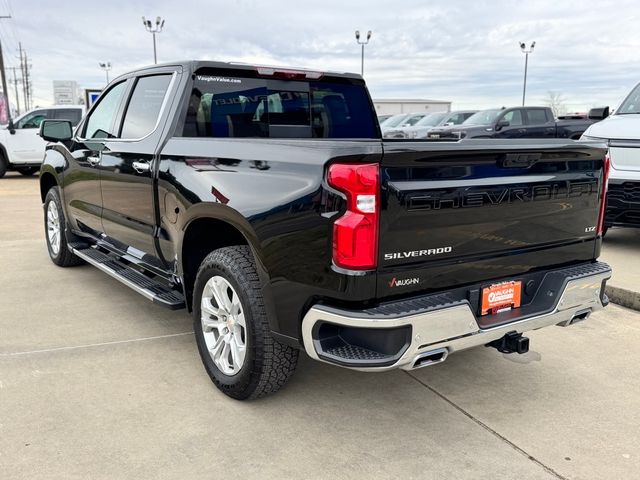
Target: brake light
x=288, y=73
x=603, y=197
x=355, y=233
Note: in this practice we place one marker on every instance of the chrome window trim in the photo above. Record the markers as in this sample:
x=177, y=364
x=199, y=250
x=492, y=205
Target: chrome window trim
x=165, y=101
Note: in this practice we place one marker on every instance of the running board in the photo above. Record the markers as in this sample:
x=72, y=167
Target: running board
x=146, y=286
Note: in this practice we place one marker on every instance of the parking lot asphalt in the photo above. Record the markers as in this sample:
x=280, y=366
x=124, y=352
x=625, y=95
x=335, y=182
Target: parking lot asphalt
x=97, y=382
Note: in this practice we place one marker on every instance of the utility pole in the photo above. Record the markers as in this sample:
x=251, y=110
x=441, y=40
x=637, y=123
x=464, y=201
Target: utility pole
x=24, y=76
x=15, y=84
x=27, y=81
x=4, y=79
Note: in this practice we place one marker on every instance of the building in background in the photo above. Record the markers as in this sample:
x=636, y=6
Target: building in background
x=66, y=92
x=390, y=106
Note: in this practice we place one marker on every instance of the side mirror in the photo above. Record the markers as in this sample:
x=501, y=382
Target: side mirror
x=56, y=130
x=448, y=124
x=11, y=127
x=501, y=124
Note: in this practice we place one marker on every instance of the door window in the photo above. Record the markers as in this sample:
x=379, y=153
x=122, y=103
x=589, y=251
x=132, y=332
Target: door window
x=514, y=117
x=33, y=119
x=143, y=110
x=72, y=114
x=100, y=121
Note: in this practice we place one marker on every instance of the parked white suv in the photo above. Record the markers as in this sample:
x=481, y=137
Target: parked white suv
x=21, y=148
x=622, y=132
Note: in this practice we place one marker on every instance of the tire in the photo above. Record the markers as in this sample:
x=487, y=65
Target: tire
x=27, y=171
x=57, y=244
x=3, y=165
x=260, y=364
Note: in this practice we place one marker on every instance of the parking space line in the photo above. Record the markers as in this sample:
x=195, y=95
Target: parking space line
x=547, y=468
x=90, y=345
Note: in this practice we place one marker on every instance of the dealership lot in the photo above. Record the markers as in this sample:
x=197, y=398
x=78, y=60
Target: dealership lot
x=97, y=382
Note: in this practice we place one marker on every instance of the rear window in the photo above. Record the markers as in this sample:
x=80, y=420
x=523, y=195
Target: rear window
x=72, y=114
x=225, y=106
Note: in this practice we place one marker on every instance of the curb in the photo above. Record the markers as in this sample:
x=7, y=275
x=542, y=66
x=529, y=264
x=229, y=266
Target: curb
x=623, y=297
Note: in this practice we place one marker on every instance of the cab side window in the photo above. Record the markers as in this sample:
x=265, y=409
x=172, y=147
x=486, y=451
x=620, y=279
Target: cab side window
x=514, y=117
x=100, y=123
x=537, y=116
x=34, y=119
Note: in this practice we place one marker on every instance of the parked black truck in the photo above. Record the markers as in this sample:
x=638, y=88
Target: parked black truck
x=519, y=122
x=265, y=201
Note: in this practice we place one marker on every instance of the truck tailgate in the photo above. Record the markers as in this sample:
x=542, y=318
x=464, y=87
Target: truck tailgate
x=478, y=210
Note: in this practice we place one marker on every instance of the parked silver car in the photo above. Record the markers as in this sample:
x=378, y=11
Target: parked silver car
x=401, y=120
x=424, y=125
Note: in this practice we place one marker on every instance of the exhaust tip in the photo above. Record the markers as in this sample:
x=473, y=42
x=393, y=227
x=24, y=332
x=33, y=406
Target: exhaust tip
x=430, y=358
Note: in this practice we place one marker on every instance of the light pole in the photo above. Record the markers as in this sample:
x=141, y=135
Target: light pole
x=526, y=52
x=106, y=67
x=153, y=29
x=362, y=43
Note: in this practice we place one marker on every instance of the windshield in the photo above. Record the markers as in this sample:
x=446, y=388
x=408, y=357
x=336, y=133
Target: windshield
x=394, y=121
x=431, y=120
x=631, y=104
x=485, y=117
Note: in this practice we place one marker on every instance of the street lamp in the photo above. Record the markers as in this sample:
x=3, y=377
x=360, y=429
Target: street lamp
x=362, y=43
x=106, y=67
x=526, y=52
x=153, y=29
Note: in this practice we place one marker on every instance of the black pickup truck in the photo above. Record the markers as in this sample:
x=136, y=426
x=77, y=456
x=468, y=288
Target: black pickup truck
x=265, y=201
x=519, y=122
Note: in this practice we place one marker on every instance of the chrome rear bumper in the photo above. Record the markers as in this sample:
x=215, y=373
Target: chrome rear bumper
x=437, y=332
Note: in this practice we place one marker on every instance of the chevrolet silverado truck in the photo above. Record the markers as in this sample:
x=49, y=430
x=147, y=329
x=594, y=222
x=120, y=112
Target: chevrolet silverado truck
x=621, y=131
x=21, y=148
x=519, y=122
x=265, y=202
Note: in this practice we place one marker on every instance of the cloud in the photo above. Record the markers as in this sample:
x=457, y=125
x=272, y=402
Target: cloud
x=464, y=51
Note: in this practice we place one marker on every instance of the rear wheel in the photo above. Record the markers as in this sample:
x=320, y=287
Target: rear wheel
x=54, y=228
x=232, y=331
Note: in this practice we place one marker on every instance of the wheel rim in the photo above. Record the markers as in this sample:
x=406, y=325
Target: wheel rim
x=53, y=227
x=223, y=325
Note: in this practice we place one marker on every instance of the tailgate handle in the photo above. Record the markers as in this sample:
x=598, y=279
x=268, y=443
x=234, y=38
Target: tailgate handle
x=519, y=160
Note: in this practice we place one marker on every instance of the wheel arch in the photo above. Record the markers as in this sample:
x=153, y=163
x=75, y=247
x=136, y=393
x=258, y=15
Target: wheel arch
x=207, y=232
x=47, y=181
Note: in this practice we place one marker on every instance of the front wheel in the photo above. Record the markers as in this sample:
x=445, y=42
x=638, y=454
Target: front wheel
x=54, y=228
x=232, y=331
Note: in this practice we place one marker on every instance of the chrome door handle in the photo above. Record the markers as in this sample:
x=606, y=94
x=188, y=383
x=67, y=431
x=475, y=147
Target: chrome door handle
x=93, y=161
x=141, y=167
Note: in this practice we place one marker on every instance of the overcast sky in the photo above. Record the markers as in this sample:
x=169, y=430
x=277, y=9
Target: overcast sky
x=462, y=51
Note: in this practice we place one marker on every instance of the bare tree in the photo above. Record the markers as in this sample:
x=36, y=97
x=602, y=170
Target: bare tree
x=556, y=102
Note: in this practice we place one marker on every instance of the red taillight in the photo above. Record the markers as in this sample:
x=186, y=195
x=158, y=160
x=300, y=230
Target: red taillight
x=355, y=233
x=603, y=197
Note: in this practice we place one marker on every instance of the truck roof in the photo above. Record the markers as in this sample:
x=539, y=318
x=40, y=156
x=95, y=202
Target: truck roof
x=194, y=65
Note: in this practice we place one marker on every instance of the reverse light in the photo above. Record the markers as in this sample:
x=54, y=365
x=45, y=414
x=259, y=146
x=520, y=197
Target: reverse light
x=355, y=233
x=603, y=198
